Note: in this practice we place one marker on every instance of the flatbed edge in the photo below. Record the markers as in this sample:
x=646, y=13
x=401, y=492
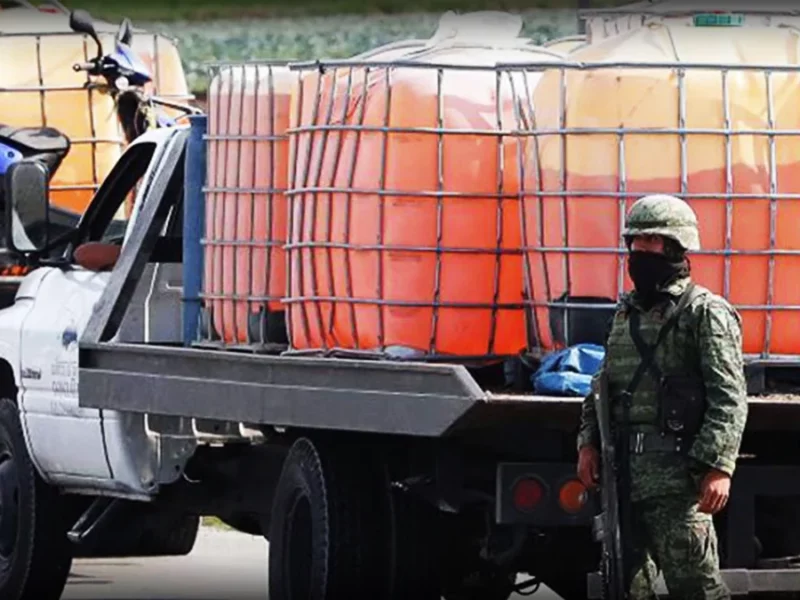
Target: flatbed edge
x=359, y=395
x=386, y=397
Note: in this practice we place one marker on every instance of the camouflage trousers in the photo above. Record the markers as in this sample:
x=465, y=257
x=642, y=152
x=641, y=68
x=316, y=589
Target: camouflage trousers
x=671, y=536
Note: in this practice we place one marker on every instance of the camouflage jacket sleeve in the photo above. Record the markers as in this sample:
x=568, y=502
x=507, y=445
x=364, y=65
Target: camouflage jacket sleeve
x=588, y=432
x=719, y=334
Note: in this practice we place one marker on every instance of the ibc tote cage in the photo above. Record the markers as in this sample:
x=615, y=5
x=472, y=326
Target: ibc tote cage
x=532, y=241
x=88, y=52
x=213, y=247
x=309, y=182
x=562, y=311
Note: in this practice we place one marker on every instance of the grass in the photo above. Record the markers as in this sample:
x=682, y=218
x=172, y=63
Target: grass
x=215, y=523
x=205, y=10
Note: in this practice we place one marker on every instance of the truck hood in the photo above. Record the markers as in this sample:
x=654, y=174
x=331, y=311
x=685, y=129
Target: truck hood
x=31, y=283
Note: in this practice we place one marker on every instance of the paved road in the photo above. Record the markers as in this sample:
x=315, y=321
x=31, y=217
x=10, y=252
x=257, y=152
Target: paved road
x=223, y=566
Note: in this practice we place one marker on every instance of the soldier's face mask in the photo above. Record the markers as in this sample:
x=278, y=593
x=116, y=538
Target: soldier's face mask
x=649, y=270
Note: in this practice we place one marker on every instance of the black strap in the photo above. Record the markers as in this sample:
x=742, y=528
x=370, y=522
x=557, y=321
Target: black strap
x=648, y=351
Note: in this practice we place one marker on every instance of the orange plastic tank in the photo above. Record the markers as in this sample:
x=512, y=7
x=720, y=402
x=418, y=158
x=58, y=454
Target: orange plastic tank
x=245, y=265
x=39, y=87
x=571, y=227
x=404, y=232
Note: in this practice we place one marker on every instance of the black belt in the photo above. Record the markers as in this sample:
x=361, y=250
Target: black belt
x=645, y=442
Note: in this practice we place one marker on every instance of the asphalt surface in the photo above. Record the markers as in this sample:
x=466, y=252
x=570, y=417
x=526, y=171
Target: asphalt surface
x=224, y=565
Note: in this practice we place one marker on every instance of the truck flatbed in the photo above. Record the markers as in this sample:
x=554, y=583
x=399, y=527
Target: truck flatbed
x=390, y=397
x=378, y=396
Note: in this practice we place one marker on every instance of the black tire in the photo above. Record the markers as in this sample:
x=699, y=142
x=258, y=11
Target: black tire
x=35, y=554
x=328, y=534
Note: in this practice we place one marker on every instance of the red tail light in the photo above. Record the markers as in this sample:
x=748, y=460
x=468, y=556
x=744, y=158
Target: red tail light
x=572, y=496
x=528, y=492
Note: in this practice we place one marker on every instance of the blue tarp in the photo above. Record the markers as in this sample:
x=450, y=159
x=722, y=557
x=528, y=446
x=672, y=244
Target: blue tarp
x=568, y=372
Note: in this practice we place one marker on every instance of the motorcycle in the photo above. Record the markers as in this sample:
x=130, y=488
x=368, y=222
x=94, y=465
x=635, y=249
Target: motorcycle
x=46, y=145
x=125, y=77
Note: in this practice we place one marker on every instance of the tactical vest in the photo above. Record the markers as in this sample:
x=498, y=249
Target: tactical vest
x=663, y=388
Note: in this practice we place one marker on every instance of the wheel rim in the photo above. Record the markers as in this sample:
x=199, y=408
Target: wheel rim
x=9, y=506
x=297, y=549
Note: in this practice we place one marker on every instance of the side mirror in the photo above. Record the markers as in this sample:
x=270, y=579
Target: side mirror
x=80, y=21
x=27, y=206
x=125, y=32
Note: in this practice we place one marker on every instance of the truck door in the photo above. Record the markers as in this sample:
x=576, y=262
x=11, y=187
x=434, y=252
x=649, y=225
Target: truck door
x=66, y=439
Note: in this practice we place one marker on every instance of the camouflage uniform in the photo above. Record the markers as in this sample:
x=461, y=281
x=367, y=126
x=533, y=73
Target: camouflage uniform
x=668, y=531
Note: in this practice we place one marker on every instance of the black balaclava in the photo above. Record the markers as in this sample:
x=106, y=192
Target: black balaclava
x=651, y=270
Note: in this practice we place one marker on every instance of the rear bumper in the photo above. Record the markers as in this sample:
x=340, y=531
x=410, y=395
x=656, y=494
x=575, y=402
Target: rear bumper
x=740, y=582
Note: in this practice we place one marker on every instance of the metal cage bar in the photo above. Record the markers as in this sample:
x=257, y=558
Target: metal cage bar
x=236, y=309
x=362, y=113
x=773, y=207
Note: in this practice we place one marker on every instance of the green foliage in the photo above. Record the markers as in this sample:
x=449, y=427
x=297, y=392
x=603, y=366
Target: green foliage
x=215, y=523
x=202, y=10
x=320, y=37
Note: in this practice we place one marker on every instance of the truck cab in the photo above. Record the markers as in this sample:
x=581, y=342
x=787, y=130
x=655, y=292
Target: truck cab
x=83, y=454
x=75, y=447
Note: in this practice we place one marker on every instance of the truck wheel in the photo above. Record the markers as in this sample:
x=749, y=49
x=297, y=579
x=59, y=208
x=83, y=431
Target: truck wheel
x=327, y=530
x=35, y=554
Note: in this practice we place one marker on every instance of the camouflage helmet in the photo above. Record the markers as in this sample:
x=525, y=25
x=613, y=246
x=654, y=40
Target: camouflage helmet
x=661, y=214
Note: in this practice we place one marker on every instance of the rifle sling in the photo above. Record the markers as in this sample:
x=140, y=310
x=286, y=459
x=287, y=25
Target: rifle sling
x=648, y=351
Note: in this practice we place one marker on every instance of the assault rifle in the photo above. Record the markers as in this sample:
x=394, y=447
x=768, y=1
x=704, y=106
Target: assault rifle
x=608, y=524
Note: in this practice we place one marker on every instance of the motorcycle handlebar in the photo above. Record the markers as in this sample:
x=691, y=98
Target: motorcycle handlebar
x=83, y=67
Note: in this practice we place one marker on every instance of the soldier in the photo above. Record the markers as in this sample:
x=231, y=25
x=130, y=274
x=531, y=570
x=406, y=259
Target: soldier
x=686, y=412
